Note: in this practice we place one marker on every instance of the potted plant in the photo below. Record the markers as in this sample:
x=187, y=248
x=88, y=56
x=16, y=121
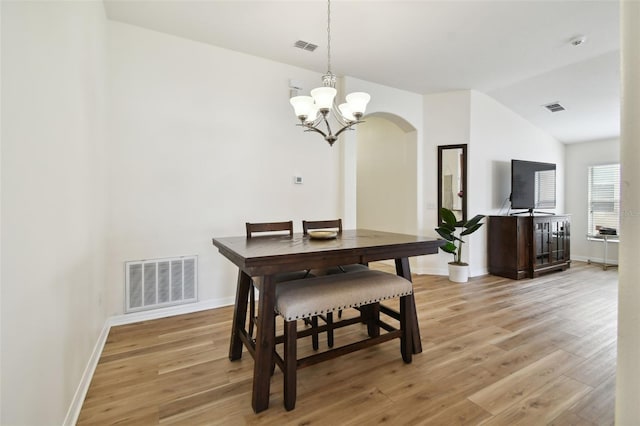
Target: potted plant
x=458, y=270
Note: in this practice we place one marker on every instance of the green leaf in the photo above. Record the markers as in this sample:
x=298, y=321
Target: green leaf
x=449, y=248
x=445, y=234
x=471, y=230
x=477, y=218
x=447, y=228
x=448, y=216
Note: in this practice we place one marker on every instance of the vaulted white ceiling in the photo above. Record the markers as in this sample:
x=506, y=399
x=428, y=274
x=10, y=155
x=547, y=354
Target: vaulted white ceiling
x=518, y=52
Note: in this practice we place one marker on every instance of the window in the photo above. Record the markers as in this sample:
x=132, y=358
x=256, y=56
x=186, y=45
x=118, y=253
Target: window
x=604, y=197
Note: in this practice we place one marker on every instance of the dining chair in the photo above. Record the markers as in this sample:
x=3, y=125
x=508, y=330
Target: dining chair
x=301, y=299
x=272, y=228
x=275, y=228
x=335, y=225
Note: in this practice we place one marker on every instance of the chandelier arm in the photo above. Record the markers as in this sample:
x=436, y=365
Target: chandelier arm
x=348, y=127
x=313, y=123
x=343, y=129
x=335, y=111
x=310, y=128
x=326, y=122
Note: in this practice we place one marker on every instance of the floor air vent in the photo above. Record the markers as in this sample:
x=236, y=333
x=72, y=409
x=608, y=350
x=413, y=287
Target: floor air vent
x=157, y=283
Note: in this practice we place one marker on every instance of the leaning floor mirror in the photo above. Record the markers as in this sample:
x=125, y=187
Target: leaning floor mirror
x=452, y=180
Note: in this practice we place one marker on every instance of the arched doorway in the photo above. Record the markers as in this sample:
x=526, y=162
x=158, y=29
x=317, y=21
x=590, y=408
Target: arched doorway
x=386, y=174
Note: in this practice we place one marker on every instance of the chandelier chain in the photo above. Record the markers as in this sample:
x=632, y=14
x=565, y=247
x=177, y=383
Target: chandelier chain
x=329, y=36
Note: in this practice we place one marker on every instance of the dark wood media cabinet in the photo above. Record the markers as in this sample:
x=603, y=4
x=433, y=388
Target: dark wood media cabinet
x=527, y=246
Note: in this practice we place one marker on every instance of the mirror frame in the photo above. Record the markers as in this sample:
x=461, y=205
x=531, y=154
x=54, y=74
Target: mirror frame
x=463, y=179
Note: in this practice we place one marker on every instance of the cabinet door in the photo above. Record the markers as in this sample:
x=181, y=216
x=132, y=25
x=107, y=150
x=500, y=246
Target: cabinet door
x=562, y=237
x=542, y=236
x=551, y=240
x=557, y=241
x=523, y=246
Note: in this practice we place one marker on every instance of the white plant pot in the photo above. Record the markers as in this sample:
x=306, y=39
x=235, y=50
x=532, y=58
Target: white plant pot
x=458, y=273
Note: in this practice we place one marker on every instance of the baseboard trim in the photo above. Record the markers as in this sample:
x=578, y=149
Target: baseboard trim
x=83, y=387
x=599, y=261
x=429, y=271
x=445, y=272
x=187, y=308
x=81, y=392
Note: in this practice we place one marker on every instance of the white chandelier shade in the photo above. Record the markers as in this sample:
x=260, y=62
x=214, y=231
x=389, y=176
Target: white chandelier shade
x=302, y=106
x=358, y=102
x=322, y=99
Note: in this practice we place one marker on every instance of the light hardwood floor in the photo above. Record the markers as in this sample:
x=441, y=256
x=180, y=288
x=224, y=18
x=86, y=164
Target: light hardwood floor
x=495, y=352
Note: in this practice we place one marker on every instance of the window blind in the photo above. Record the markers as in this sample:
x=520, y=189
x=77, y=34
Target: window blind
x=545, y=189
x=604, y=197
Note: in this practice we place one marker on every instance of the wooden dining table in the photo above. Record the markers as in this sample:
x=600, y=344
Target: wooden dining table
x=267, y=256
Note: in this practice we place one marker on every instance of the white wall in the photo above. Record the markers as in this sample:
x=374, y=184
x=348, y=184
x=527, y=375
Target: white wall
x=628, y=370
x=386, y=177
x=494, y=135
x=446, y=122
x=497, y=136
x=579, y=157
x=53, y=203
x=405, y=110
x=1, y=328
x=203, y=139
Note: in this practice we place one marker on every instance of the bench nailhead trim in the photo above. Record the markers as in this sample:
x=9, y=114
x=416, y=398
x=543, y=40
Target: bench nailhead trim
x=343, y=307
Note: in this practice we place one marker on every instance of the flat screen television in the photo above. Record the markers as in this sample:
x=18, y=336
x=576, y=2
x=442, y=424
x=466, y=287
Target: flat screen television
x=533, y=185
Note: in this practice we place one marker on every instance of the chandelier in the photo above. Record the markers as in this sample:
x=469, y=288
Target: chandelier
x=319, y=108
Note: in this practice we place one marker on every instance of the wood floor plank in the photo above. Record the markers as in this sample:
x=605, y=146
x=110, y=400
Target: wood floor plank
x=534, y=351
x=599, y=405
x=525, y=382
x=596, y=369
x=543, y=405
x=509, y=362
x=464, y=412
x=431, y=396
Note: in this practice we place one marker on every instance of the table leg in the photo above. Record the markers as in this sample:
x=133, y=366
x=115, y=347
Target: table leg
x=265, y=343
x=239, y=315
x=403, y=270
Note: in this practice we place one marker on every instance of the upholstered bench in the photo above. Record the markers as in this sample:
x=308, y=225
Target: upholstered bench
x=310, y=297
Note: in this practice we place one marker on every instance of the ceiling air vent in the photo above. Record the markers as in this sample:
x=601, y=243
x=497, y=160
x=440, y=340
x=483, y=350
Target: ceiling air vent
x=554, y=107
x=300, y=44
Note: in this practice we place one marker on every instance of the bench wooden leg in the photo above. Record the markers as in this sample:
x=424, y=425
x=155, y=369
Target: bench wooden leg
x=314, y=335
x=290, y=364
x=371, y=316
x=330, y=329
